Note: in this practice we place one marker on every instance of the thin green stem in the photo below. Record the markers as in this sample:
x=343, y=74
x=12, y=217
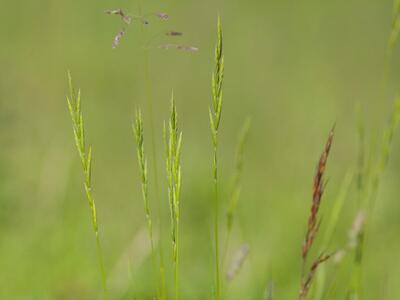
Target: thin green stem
x=176, y=271
x=216, y=227
x=101, y=264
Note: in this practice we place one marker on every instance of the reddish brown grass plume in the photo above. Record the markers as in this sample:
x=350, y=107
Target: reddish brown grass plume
x=314, y=222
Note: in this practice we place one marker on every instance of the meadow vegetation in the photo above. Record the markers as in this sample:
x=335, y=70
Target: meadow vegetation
x=226, y=210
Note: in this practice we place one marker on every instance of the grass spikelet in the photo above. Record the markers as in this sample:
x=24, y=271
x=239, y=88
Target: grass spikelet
x=85, y=154
x=117, y=39
x=215, y=118
x=173, y=142
x=314, y=223
x=119, y=12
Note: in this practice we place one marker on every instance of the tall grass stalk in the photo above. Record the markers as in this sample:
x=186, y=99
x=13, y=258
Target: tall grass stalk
x=142, y=161
x=215, y=118
x=314, y=222
x=173, y=142
x=85, y=154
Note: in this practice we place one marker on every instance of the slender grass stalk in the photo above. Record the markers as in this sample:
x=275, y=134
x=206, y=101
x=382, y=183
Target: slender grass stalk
x=215, y=118
x=142, y=161
x=85, y=154
x=314, y=223
x=173, y=142
x=236, y=186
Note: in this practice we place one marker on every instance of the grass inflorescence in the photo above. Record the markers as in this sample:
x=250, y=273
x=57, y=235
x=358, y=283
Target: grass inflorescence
x=173, y=143
x=314, y=223
x=85, y=154
x=142, y=161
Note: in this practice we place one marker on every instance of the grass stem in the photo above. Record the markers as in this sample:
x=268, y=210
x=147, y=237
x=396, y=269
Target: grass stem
x=215, y=118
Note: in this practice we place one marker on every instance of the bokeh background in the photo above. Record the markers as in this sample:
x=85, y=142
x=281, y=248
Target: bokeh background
x=294, y=67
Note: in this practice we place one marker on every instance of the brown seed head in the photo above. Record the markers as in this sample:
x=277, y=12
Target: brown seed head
x=318, y=188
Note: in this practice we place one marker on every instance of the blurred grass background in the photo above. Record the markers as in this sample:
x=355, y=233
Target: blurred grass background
x=294, y=67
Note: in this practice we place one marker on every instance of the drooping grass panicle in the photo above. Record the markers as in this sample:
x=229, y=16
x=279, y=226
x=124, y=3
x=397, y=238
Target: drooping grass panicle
x=215, y=118
x=85, y=154
x=314, y=222
x=173, y=142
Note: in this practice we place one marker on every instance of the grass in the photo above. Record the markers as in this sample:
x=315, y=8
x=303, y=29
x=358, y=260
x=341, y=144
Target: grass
x=85, y=154
x=366, y=177
x=314, y=224
x=142, y=161
x=215, y=119
x=173, y=142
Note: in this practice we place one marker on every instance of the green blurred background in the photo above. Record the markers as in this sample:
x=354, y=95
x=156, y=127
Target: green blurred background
x=294, y=67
